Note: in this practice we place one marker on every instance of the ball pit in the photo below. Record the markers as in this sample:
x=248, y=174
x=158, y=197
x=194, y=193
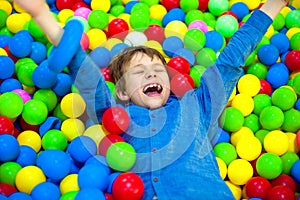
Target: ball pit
x=258, y=156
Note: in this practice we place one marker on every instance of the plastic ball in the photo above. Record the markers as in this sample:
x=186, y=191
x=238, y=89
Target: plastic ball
x=217, y=7
x=258, y=69
x=72, y=128
x=34, y=112
x=178, y=64
x=174, y=14
x=27, y=156
x=45, y=190
x=115, y=120
x=69, y=183
x=291, y=117
x=11, y=105
x=181, y=83
x=139, y=20
x=8, y=172
x=268, y=54
x=25, y=72
x=276, y=142
x=288, y=161
x=294, y=41
x=244, y=103
x=157, y=11
x=128, y=186
x=176, y=28
x=73, y=105
x=278, y=75
x=55, y=140
x=90, y=193
x=239, y=171
x=281, y=41
x=235, y=189
x=196, y=73
x=135, y=38
x=281, y=192
x=82, y=148
x=121, y=156
x=257, y=187
x=20, y=46
x=20, y=195
x=284, y=98
x=269, y=165
x=68, y=4
x=230, y=115
x=252, y=122
x=6, y=125
x=93, y=176
x=292, y=60
x=292, y=142
x=155, y=32
x=206, y=57
x=243, y=132
x=296, y=84
x=96, y=132
x=101, y=56
x=171, y=45
x=187, y=5
x=47, y=96
x=118, y=28
x=194, y=39
x=260, y=102
x=240, y=9
x=7, y=67
x=7, y=189
x=9, y=148
x=284, y=180
x=107, y=141
x=265, y=87
x=292, y=19
x=271, y=117
x=222, y=167
x=96, y=38
x=225, y=151
x=248, y=148
x=214, y=40
x=30, y=138
x=25, y=96
x=29, y=177
x=98, y=19
x=10, y=84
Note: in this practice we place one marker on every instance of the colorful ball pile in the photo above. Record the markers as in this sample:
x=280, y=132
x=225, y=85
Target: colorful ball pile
x=48, y=146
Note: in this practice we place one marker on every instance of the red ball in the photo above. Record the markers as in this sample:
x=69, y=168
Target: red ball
x=106, y=74
x=6, y=126
x=203, y=4
x=298, y=139
x=155, y=32
x=107, y=141
x=292, y=60
x=181, y=83
x=65, y=4
x=178, y=64
x=7, y=189
x=115, y=120
x=257, y=187
x=265, y=87
x=79, y=4
x=126, y=186
x=281, y=193
x=170, y=4
x=26, y=126
x=285, y=180
x=108, y=196
x=118, y=28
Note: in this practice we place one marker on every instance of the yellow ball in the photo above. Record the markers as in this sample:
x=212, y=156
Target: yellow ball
x=276, y=142
x=96, y=37
x=101, y=5
x=18, y=8
x=284, y=11
x=235, y=189
x=72, y=105
x=244, y=132
x=252, y=4
x=270, y=32
x=6, y=6
x=72, y=128
x=155, y=45
x=222, y=167
x=64, y=15
x=244, y=103
x=111, y=42
x=28, y=177
x=2, y=52
x=15, y=22
x=69, y=183
x=96, y=132
x=249, y=148
x=295, y=3
x=176, y=28
x=240, y=171
x=233, y=93
x=29, y=89
x=292, y=31
x=249, y=84
x=30, y=138
x=293, y=147
x=157, y=11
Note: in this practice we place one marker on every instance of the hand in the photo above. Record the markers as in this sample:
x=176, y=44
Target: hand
x=33, y=7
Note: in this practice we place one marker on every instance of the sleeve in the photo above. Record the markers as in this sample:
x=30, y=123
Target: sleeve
x=91, y=84
x=219, y=80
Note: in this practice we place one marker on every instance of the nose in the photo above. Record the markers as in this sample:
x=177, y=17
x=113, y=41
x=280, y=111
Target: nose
x=150, y=74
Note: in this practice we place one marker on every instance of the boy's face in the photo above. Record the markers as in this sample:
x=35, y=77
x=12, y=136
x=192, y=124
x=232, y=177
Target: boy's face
x=147, y=82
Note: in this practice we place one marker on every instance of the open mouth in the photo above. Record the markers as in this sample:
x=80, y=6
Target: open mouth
x=153, y=89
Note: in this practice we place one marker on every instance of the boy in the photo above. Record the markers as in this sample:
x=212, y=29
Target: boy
x=172, y=137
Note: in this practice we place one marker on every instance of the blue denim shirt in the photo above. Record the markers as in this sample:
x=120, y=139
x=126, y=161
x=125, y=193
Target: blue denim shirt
x=175, y=157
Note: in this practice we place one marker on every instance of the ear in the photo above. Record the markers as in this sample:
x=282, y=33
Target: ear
x=122, y=95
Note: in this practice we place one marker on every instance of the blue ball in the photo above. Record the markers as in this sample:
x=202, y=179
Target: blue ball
x=45, y=191
x=91, y=176
x=112, y=178
x=187, y=54
x=25, y=33
x=224, y=136
x=171, y=45
x=101, y=56
x=82, y=148
x=55, y=164
x=295, y=171
x=297, y=104
x=214, y=40
x=98, y=160
x=20, y=45
x=38, y=52
x=117, y=48
x=27, y=156
x=50, y=123
x=278, y=75
x=240, y=9
x=268, y=54
x=19, y=196
x=9, y=85
x=43, y=77
x=281, y=41
x=9, y=148
x=90, y=194
x=63, y=84
x=4, y=40
x=7, y=67
x=129, y=6
x=173, y=14
x=2, y=197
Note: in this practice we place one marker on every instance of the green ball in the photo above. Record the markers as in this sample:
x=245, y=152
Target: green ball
x=58, y=113
x=259, y=70
x=155, y=21
x=23, y=61
x=295, y=41
x=284, y=98
x=265, y=40
x=11, y=105
x=291, y=120
x=8, y=172
x=116, y=10
x=3, y=17
x=48, y=97
x=260, y=102
x=217, y=7
x=194, y=39
x=140, y=8
x=54, y=139
x=206, y=57
x=34, y=112
x=5, y=31
x=98, y=19
x=288, y=160
x=35, y=30
x=250, y=59
x=261, y=134
x=24, y=73
x=139, y=20
x=227, y=25
x=252, y=122
x=278, y=22
x=188, y=5
x=121, y=156
x=269, y=165
x=226, y=152
x=193, y=15
x=69, y=195
x=296, y=84
x=150, y=2
x=112, y=88
x=292, y=19
x=271, y=118
x=231, y=119
x=196, y=73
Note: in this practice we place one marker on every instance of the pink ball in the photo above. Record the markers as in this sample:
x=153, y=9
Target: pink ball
x=82, y=12
x=198, y=24
x=84, y=42
x=25, y=96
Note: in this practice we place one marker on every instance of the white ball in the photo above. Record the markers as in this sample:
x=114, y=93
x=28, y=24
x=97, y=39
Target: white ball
x=135, y=38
